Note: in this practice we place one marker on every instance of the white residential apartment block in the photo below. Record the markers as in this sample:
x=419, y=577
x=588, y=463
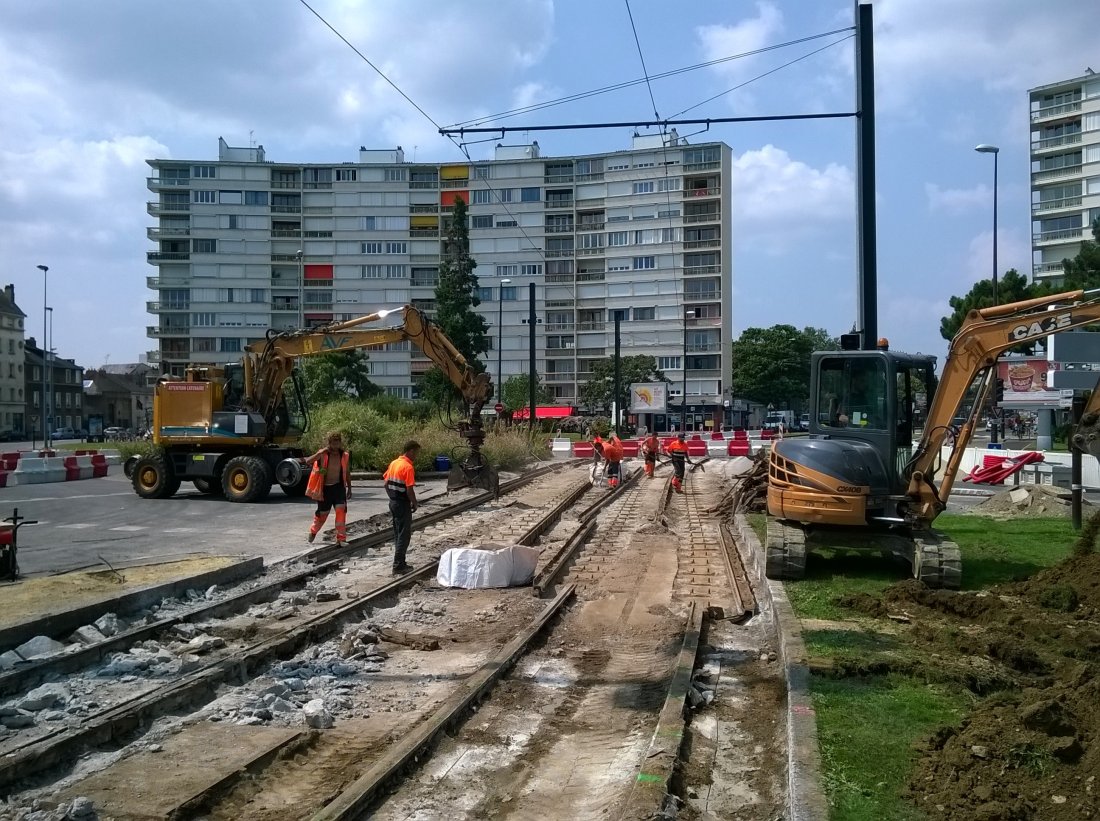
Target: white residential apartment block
x=12, y=378
x=642, y=234
x=1065, y=170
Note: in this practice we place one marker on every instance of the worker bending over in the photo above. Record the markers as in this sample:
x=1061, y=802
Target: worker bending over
x=613, y=453
x=678, y=452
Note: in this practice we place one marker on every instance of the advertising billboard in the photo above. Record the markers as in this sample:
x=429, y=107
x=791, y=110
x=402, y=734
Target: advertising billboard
x=648, y=397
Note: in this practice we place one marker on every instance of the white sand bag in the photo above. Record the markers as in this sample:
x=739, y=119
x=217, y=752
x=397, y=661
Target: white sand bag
x=487, y=565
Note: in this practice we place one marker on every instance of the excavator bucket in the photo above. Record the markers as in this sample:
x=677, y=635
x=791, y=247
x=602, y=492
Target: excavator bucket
x=1087, y=436
x=474, y=473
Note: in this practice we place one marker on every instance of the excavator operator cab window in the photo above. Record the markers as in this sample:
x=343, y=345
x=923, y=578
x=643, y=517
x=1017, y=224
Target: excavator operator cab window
x=233, y=394
x=852, y=393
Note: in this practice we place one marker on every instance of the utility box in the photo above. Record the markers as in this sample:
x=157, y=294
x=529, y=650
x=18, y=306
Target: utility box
x=1045, y=473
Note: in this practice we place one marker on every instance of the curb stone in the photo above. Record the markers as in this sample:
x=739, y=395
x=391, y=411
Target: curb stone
x=805, y=796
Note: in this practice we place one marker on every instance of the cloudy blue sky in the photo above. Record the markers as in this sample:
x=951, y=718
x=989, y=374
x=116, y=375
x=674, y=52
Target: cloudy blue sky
x=90, y=90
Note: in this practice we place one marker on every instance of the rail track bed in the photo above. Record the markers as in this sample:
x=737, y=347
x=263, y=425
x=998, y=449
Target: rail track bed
x=639, y=664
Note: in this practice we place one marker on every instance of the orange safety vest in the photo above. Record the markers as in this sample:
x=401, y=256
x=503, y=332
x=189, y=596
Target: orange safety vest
x=399, y=477
x=677, y=448
x=613, y=450
x=652, y=446
x=344, y=458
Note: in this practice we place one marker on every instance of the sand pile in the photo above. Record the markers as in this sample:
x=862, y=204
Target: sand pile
x=1025, y=501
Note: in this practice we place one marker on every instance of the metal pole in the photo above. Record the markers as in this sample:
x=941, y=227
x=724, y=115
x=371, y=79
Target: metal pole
x=684, y=363
x=500, y=338
x=42, y=407
x=1075, y=483
x=865, y=152
x=618, y=375
x=995, y=301
x=531, y=319
x=50, y=359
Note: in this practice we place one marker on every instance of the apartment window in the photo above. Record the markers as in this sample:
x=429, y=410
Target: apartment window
x=346, y=175
x=204, y=320
x=668, y=363
x=674, y=212
x=621, y=314
x=481, y=221
x=397, y=247
x=481, y=196
x=374, y=271
x=35, y=403
x=11, y=347
x=618, y=265
x=76, y=400
x=505, y=194
x=257, y=295
x=668, y=184
x=11, y=370
x=618, y=238
x=530, y=195
x=68, y=400
x=204, y=246
x=693, y=156
x=203, y=344
x=507, y=270
x=508, y=293
x=401, y=392
x=396, y=174
x=506, y=224
x=37, y=374
x=482, y=172
x=590, y=241
x=230, y=221
x=371, y=247
x=230, y=197
x=397, y=272
x=643, y=187
x=530, y=270
x=203, y=172
x=644, y=263
x=204, y=197
x=670, y=235
x=255, y=198
x=175, y=298
x=618, y=165
x=229, y=344
x=485, y=294
x=645, y=313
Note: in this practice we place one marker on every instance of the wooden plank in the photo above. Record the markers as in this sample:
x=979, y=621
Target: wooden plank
x=357, y=797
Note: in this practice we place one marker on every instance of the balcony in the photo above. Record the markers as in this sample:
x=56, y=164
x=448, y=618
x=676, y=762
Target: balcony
x=593, y=177
x=423, y=209
x=590, y=252
x=691, y=245
x=157, y=307
x=559, y=326
x=166, y=282
x=429, y=282
x=584, y=225
x=568, y=253
x=167, y=256
x=1055, y=173
x=591, y=202
x=155, y=209
x=454, y=183
x=558, y=278
x=284, y=257
x=702, y=270
x=697, y=218
x=592, y=326
x=565, y=351
x=567, y=376
x=557, y=178
x=1055, y=111
x=707, y=295
x=156, y=183
x=590, y=276
x=706, y=347
x=1056, y=205
x=692, y=193
x=559, y=203
x=703, y=373
x=286, y=183
x=424, y=184
x=692, y=167
x=152, y=357
x=156, y=234
x=284, y=282
x=1055, y=142
x=318, y=235
x=697, y=321
x=1063, y=235
x=286, y=209
x=154, y=331
x=285, y=234
x=1048, y=269
x=423, y=232
x=559, y=229
x=317, y=185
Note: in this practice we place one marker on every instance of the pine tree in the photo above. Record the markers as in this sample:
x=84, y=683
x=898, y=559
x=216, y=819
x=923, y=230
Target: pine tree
x=456, y=294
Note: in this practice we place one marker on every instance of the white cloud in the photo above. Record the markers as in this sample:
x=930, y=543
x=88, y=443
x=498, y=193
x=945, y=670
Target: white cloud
x=958, y=200
x=777, y=198
x=750, y=34
x=1013, y=251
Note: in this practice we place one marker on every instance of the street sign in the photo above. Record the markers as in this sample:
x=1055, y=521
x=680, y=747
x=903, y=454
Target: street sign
x=498, y=407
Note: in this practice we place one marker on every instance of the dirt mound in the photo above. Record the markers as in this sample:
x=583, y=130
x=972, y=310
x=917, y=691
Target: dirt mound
x=1024, y=501
x=1071, y=585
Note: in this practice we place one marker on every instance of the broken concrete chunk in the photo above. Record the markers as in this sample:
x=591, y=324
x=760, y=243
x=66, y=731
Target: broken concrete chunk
x=280, y=705
x=38, y=647
x=203, y=644
x=43, y=697
x=82, y=809
x=317, y=716
x=9, y=659
x=18, y=722
x=108, y=624
x=327, y=595
x=1019, y=495
x=185, y=630
x=210, y=591
x=88, y=634
x=123, y=665
x=189, y=663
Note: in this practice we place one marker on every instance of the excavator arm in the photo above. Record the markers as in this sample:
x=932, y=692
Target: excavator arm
x=269, y=363
x=985, y=334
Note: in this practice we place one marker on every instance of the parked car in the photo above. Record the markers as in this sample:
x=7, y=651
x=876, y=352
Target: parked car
x=64, y=433
x=113, y=434
x=804, y=422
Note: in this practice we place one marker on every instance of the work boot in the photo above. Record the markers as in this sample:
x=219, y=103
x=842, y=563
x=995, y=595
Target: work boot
x=311, y=537
x=402, y=569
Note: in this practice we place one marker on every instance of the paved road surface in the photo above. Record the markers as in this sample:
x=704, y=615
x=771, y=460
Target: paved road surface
x=80, y=521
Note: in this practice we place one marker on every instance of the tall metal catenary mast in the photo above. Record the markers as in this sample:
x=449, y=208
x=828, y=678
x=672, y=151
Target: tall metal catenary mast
x=867, y=284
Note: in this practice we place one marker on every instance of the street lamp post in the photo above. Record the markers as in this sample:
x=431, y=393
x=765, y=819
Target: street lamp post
x=301, y=292
x=50, y=359
x=42, y=407
x=689, y=313
x=500, y=337
x=986, y=148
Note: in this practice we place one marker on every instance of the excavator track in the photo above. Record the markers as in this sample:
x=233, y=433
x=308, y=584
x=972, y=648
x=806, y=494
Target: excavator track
x=936, y=561
x=786, y=549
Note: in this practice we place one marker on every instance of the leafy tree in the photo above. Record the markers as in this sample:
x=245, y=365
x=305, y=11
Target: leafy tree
x=600, y=388
x=1012, y=287
x=456, y=294
x=516, y=392
x=772, y=365
x=1083, y=270
x=337, y=375
x=436, y=389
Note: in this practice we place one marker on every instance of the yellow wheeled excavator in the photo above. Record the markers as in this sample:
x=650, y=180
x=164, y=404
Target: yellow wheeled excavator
x=235, y=431
x=859, y=481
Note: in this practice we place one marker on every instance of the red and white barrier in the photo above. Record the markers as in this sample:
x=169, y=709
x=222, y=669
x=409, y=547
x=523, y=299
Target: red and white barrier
x=34, y=468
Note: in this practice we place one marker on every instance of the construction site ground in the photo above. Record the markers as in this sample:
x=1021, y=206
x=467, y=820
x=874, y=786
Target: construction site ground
x=576, y=729
x=976, y=704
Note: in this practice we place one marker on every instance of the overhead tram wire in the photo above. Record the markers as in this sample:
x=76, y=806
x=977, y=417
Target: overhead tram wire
x=513, y=112
x=641, y=57
x=460, y=146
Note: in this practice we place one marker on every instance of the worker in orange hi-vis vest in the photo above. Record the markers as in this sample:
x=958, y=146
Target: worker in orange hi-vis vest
x=333, y=460
x=650, y=448
x=400, y=478
x=678, y=452
x=613, y=453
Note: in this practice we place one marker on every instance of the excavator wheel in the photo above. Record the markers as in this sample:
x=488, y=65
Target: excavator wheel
x=786, y=550
x=246, y=479
x=936, y=561
x=152, y=478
